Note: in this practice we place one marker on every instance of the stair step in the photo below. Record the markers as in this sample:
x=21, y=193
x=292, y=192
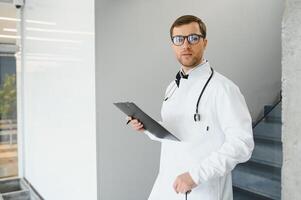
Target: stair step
x=273, y=119
x=258, y=179
x=239, y=194
x=10, y=185
x=268, y=131
x=18, y=195
x=17, y=189
x=274, y=115
x=268, y=153
x=276, y=112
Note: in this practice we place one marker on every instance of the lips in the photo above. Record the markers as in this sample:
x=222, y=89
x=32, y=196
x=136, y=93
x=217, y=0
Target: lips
x=186, y=54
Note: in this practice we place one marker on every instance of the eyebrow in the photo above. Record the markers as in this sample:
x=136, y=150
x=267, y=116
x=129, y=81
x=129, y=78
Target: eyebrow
x=189, y=34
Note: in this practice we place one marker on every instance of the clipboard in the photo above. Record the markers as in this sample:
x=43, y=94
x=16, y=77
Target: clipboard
x=149, y=124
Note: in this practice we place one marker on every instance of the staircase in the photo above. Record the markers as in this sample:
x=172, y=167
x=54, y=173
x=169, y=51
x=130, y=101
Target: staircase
x=13, y=189
x=260, y=177
x=17, y=189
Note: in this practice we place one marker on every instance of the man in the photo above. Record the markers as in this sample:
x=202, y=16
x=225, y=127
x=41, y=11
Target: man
x=207, y=112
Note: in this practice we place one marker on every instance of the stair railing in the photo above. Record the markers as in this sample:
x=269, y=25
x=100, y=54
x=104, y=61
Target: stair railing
x=267, y=112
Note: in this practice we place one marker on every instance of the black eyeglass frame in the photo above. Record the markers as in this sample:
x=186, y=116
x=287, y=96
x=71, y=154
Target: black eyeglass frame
x=200, y=36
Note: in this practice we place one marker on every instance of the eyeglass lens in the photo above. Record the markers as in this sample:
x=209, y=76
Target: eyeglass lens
x=192, y=39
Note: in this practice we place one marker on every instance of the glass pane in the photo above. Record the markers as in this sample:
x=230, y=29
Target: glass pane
x=8, y=104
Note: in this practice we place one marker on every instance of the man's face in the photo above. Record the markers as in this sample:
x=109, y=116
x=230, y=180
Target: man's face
x=189, y=55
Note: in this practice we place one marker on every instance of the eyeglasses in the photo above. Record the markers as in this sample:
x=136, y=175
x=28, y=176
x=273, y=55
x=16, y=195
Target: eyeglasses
x=178, y=40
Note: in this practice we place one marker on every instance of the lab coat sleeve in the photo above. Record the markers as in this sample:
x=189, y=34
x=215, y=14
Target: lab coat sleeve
x=235, y=122
x=153, y=137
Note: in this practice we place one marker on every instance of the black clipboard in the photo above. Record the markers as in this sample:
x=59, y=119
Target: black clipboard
x=149, y=124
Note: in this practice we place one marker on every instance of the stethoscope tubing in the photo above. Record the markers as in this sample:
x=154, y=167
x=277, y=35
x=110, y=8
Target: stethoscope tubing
x=196, y=116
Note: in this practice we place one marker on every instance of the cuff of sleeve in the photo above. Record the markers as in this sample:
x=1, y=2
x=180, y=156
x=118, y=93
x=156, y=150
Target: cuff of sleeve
x=152, y=137
x=195, y=175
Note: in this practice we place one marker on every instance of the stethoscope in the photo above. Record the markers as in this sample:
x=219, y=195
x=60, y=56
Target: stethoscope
x=196, y=116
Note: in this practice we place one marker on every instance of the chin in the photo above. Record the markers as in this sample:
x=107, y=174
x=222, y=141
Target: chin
x=190, y=64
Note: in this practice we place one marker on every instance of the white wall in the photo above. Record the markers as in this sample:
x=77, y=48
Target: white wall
x=57, y=96
x=134, y=61
x=291, y=113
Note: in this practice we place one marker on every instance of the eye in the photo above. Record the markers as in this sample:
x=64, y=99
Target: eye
x=178, y=40
x=193, y=38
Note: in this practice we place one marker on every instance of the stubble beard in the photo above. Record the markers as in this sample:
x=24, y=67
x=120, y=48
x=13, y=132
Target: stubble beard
x=191, y=64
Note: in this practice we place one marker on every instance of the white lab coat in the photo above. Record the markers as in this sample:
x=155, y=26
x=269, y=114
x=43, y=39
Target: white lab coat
x=208, y=149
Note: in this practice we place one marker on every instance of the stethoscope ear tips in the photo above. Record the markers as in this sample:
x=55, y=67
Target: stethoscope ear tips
x=197, y=117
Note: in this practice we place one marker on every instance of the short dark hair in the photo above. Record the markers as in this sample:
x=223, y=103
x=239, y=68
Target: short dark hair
x=187, y=19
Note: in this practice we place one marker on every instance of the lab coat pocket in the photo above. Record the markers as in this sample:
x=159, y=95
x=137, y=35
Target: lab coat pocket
x=204, y=128
x=197, y=131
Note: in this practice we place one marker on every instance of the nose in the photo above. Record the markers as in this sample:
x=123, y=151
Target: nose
x=186, y=44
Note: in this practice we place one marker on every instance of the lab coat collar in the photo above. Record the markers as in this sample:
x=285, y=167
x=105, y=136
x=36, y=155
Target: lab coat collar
x=202, y=69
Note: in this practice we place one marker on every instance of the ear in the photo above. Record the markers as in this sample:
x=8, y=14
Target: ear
x=205, y=43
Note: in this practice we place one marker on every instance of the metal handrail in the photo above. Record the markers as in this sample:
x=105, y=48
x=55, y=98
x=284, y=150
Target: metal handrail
x=266, y=113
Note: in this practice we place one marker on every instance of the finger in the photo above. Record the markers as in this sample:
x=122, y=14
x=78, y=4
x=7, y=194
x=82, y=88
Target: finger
x=187, y=189
x=138, y=129
x=134, y=124
x=178, y=188
x=134, y=121
x=141, y=129
x=184, y=189
x=138, y=125
x=175, y=185
x=128, y=118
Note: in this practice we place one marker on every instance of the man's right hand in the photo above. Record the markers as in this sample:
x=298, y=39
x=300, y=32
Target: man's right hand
x=136, y=125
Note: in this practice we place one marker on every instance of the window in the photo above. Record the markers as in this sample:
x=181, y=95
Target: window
x=8, y=103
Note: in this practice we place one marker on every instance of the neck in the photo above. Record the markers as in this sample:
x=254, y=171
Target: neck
x=186, y=69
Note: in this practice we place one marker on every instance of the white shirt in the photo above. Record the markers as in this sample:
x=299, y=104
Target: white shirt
x=208, y=149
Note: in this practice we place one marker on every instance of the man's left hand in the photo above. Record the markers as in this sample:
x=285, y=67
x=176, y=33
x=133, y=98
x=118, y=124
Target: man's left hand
x=184, y=183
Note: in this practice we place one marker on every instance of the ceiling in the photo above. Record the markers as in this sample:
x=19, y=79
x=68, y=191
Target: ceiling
x=7, y=10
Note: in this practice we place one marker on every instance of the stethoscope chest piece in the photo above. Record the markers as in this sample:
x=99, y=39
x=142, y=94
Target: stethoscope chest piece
x=197, y=117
